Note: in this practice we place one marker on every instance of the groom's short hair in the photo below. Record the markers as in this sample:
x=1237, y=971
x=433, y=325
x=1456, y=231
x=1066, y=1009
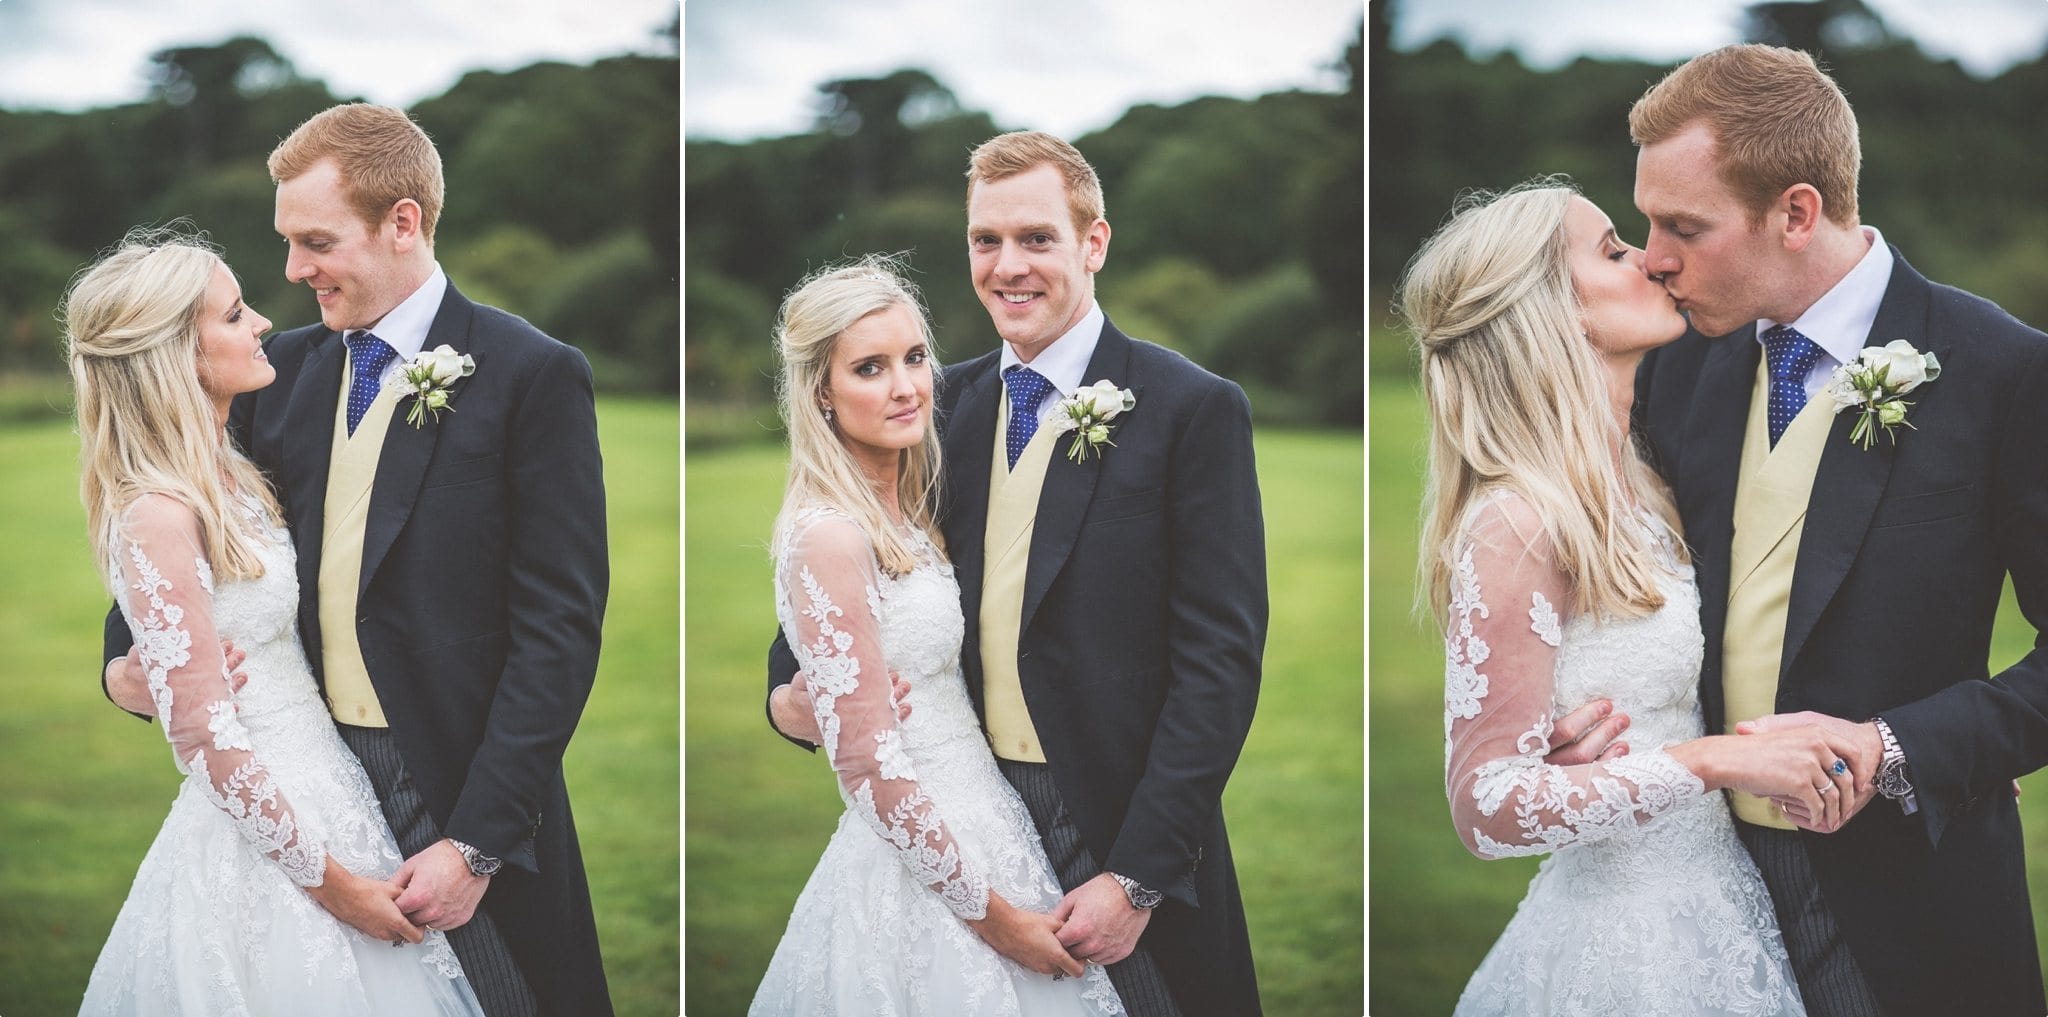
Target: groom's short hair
x=383, y=157
x=1776, y=117
x=1007, y=155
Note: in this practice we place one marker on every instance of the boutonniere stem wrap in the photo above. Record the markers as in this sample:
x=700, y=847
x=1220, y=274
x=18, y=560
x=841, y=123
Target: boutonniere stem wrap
x=1088, y=412
x=1875, y=386
x=429, y=376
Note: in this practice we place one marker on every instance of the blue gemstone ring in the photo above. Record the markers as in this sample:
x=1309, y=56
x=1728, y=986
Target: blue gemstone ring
x=1840, y=767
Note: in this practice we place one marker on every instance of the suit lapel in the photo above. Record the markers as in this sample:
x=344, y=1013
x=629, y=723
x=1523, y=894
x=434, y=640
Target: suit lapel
x=1851, y=479
x=402, y=463
x=970, y=434
x=1063, y=501
x=307, y=446
x=1713, y=463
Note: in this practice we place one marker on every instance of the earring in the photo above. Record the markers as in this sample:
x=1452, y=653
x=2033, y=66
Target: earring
x=828, y=414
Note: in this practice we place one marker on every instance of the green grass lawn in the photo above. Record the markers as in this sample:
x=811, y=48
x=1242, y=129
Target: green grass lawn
x=759, y=811
x=1435, y=908
x=87, y=786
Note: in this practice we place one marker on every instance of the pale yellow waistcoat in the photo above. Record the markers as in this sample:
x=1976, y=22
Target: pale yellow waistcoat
x=351, y=471
x=1006, y=542
x=1771, y=494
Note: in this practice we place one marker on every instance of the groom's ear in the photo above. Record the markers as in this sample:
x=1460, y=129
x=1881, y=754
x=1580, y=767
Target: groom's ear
x=404, y=219
x=1802, y=209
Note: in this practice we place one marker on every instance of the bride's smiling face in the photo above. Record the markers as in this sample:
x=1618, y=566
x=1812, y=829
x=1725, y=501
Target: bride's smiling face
x=231, y=358
x=1623, y=310
x=880, y=385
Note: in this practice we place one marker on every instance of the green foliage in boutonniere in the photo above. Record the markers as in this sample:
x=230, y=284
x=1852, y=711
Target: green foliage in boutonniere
x=1875, y=385
x=1088, y=412
x=429, y=376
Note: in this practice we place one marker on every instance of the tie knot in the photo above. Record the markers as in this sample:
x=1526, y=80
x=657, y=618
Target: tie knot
x=370, y=353
x=1792, y=356
x=1027, y=388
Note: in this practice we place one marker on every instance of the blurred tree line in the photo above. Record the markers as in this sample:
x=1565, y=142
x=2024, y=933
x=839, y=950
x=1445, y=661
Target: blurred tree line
x=1236, y=230
x=562, y=200
x=1951, y=163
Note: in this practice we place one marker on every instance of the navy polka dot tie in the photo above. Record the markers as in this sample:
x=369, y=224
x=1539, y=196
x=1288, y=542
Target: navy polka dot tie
x=368, y=356
x=1791, y=357
x=1027, y=389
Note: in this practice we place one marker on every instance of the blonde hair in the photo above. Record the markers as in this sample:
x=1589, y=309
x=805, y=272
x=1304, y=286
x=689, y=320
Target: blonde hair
x=145, y=424
x=821, y=468
x=1777, y=119
x=383, y=157
x=1007, y=155
x=1518, y=401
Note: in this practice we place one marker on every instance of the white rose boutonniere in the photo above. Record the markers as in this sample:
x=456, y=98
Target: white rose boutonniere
x=1875, y=384
x=429, y=376
x=1089, y=411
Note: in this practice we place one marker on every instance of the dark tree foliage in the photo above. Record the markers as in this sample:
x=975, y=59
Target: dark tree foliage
x=1951, y=163
x=562, y=195
x=1236, y=229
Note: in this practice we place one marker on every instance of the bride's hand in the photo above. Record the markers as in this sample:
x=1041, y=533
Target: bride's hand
x=1027, y=937
x=1793, y=764
x=368, y=905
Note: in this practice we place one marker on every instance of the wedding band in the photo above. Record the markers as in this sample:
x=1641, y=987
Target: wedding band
x=1057, y=975
x=1840, y=767
x=399, y=941
x=1824, y=789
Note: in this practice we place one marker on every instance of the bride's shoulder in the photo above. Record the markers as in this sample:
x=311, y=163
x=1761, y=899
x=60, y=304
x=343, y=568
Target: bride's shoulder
x=1504, y=519
x=155, y=513
x=817, y=528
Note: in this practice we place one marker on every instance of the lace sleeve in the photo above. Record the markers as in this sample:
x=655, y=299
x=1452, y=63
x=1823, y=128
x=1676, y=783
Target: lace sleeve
x=829, y=581
x=167, y=598
x=1499, y=661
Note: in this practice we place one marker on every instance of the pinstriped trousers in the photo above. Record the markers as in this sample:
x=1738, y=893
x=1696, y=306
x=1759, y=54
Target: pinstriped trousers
x=1829, y=979
x=486, y=961
x=1137, y=978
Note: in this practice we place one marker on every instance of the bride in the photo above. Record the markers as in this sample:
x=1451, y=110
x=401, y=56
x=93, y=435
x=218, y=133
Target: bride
x=267, y=890
x=1551, y=556
x=931, y=894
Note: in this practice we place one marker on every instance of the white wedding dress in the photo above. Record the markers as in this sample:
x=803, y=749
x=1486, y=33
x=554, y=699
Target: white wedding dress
x=1648, y=904
x=931, y=828
x=217, y=922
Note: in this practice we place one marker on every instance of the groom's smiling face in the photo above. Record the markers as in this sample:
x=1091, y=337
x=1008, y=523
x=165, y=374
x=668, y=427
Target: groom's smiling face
x=356, y=269
x=1033, y=269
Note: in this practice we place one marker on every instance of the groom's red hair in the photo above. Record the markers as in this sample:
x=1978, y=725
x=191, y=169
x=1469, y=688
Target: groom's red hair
x=383, y=156
x=1776, y=117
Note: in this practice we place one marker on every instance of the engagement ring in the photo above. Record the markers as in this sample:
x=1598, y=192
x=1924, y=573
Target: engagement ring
x=1824, y=788
x=1841, y=767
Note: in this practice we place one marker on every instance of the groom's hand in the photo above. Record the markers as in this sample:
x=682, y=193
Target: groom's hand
x=128, y=685
x=1101, y=925
x=790, y=709
x=1587, y=735
x=439, y=890
x=1860, y=746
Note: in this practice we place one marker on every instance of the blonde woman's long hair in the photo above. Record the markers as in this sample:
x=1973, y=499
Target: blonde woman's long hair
x=1518, y=401
x=821, y=468
x=145, y=425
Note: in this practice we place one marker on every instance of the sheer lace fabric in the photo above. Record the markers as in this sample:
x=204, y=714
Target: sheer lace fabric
x=217, y=921
x=1647, y=903
x=931, y=828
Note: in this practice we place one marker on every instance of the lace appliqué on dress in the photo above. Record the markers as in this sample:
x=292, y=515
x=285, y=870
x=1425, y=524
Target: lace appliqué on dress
x=897, y=810
x=232, y=780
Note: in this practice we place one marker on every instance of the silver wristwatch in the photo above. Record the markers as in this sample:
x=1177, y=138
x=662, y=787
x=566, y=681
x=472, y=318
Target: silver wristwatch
x=1141, y=898
x=1892, y=781
x=480, y=864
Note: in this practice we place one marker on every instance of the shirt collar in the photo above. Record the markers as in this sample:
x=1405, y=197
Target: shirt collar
x=405, y=328
x=1840, y=321
x=1066, y=359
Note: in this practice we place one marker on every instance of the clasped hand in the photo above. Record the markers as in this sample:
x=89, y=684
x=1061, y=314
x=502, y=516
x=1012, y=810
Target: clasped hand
x=1789, y=758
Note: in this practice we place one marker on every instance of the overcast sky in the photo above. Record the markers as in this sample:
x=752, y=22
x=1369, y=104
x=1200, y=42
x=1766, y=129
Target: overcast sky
x=74, y=54
x=1985, y=36
x=751, y=67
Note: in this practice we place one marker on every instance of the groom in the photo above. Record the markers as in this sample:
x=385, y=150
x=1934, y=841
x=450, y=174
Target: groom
x=452, y=574
x=1116, y=606
x=1844, y=586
